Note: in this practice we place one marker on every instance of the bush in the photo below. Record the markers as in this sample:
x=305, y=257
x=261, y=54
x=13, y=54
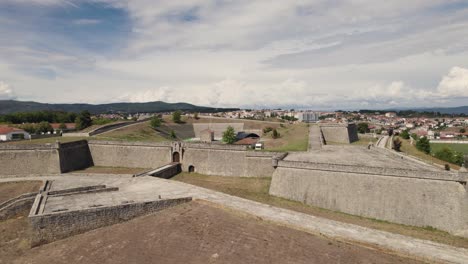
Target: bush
x=173, y=134
x=423, y=145
x=397, y=144
x=275, y=134
x=462, y=130
x=177, y=116
x=155, y=122
x=363, y=128
x=229, y=136
x=405, y=134
x=267, y=129
x=447, y=167
x=449, y=155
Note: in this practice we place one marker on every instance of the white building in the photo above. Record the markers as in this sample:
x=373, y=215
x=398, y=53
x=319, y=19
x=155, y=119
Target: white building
x=11, y=133
x=308, y=117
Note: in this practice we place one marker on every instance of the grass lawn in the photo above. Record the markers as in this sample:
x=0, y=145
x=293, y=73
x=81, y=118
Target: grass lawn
x=294, y=137
x=137, y=132
x=409, y=149
x=256, y=189
x=463, y=148
x=50, y=140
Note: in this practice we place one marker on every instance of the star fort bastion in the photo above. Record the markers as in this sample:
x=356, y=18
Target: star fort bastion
x=368, y=182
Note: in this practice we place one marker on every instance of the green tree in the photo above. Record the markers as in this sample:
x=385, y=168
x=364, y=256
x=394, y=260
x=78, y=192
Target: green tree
x=462, y=130
x=363, y=128
x=173, y=134
x=83, y=120
x=397, y=144
x=62, y=126
x=405, y=134
x=177, y=116
x=43, y=127
x=275, y=134
x=155, y=122
x=423, y=145
x=229, y=136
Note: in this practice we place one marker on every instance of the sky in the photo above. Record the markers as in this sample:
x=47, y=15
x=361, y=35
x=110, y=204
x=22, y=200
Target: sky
x=317, y=54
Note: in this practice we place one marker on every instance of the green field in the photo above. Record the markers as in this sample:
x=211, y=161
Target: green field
x=457, y=147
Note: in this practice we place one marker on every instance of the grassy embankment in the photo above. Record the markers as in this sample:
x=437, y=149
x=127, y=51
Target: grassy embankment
x=411, y=150
x=137, y=132
x=257, y=189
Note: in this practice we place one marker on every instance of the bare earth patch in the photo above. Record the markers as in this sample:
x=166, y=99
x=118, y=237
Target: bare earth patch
x=9, y=190
x=199, y=233
x=257, y=189
x=111, y=170
x=14, y=233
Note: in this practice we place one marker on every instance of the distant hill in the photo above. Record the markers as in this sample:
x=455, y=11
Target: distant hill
x=446, y=110
x=12, y=106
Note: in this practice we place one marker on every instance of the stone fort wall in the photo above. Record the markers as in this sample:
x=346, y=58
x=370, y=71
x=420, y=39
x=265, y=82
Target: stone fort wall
x=418, y=198
x=225, y=160
x=131, y=155
x=29, y=159
x=50, y=227
x=339, y=133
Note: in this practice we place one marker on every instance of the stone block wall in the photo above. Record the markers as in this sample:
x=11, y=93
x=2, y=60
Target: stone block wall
x=51, y=227
x=75, y=156
x=227, y=161
x=339, y=133
x=131, y=155
x=29, y=159
x=436, y=200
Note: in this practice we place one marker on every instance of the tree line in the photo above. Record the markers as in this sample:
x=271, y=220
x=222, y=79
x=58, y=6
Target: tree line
x=39, y=116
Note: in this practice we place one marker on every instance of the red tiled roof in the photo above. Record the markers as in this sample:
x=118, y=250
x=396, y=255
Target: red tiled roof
x=69, y=125
x=5, y=130
x=247, y=141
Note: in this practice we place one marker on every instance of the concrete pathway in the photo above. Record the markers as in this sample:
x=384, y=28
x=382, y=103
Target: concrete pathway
x=315, y=140
x=150, y=188
x=382, y=143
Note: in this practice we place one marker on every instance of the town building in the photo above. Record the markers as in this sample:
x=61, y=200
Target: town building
x=12, y=133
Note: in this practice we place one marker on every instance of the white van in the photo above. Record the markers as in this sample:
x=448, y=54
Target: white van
x=258, y=146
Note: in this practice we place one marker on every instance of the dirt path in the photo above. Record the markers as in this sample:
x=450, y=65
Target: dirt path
x=199, y=233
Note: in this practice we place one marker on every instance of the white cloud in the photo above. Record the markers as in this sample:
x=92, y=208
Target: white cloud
x=317, y=54
x=6, y=93
x=454, y=84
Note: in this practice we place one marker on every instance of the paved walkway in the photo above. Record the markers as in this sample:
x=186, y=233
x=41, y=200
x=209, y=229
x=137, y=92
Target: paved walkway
x=150, y=188
x=315, y=140
x=382, y=142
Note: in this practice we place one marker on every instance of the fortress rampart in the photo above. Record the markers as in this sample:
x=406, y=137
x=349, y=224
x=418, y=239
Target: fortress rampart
x=339, y=133
x=29, y=159
x=418, y=198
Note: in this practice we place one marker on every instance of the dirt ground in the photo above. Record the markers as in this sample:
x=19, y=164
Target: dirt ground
x=111, y=170
x=14, y=233
x=10, y=190
x=257, y=189
x=200, y=233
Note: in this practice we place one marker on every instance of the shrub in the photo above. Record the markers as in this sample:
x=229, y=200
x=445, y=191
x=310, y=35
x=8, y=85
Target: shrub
x=155, y=122
x=363, y=128
x=267, y=129
x=405, y=134
x=177, y=116
x=275, y=134
x=173, y=134
x=447, y=154
x=397, y=144
x=423, y=145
